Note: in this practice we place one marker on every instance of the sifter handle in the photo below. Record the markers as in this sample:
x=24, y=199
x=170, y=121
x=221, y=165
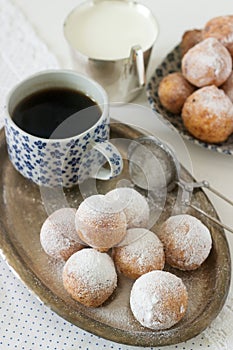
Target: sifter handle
x=220, y=195
x=189, y=186
x=216, y=221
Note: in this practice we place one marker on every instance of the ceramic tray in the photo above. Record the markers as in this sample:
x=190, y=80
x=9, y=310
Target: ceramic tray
x=172, y=63
x=22, y=214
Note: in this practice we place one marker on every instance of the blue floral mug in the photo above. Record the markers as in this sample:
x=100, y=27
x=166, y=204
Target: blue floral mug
x=67, y=161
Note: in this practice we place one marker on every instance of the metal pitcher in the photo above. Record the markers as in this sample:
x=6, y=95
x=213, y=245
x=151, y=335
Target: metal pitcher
x=123, y=78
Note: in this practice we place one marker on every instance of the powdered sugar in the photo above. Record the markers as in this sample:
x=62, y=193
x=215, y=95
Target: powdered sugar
x=214, y=101
x=141, y=252
x=158, y=299
x=146, y=249
x=134, y=237
x=208, y=62
x=100, y=223
x=89, y=277
x=116, y=312
x=208, y=114
x=221, y=28
x=186, y=240
x=96, y=270
x=58, y=235
x=133, y=204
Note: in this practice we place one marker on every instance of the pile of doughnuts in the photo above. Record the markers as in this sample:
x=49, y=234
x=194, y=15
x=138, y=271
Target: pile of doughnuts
x=108, y=235
x=203, y=91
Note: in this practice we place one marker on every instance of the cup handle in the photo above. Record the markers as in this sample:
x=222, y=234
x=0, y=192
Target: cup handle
x=138, y=59
x=113, y=157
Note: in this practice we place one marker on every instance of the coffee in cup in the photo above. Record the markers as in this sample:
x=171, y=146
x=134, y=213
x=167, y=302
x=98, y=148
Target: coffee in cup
x=57, y=129
x=41, y=113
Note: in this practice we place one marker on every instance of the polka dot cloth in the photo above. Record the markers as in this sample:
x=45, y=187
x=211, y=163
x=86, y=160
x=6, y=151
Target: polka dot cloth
x=27, y=324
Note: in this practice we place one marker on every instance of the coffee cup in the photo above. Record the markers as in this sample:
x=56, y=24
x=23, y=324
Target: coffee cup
x=57, y=129
x=112, y=41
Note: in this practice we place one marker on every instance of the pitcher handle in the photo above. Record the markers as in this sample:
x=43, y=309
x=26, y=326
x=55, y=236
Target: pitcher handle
x=138, y=59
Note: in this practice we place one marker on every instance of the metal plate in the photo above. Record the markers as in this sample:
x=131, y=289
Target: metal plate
x=172, y=63
x=22, y=214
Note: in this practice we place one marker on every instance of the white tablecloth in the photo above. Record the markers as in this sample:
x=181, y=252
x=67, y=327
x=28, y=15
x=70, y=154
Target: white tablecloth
x=25, y=323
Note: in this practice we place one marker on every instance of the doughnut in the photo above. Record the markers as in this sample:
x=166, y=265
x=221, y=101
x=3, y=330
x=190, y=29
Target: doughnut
x=207, y=63
x=208, y=114
x=173, y=91
x=89, y=277
x=58, y=236
x=189, y=39
x=140, y=251
x=133, y=204
x=158, y=300
x=228, y=87
x=100, y=223
x=221, y=28
x=187, y=241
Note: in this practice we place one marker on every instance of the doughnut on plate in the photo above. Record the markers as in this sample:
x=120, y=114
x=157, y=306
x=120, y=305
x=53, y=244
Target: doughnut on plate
x=172, y=63
x=21, y=207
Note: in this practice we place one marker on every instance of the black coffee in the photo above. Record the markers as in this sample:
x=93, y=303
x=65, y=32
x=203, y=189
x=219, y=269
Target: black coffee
x=56, y=113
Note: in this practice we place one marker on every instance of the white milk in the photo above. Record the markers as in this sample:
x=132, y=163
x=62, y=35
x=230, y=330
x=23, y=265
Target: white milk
x=107, y=30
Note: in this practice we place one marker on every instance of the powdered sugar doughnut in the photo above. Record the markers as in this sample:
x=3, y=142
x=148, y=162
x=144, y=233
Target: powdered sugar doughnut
x=173, y=91
x=158, y=300
x=228, y=87
x=208, y=114
x=141, y=251
x=187, y=241
x=189, y=39
x=207, y=63
x=58, y=234
x=221, y=28
x=100, y=223
x=90, y=277
x=133, y=204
